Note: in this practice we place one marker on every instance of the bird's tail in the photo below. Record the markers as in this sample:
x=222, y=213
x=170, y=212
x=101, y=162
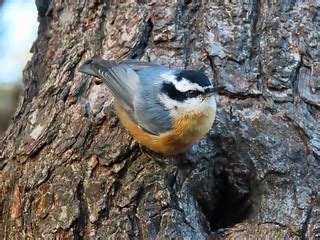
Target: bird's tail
x=87, y=68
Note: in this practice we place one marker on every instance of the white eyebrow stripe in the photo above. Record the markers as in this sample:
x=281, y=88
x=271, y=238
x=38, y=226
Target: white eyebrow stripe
x=206, y=87
x=183, y=85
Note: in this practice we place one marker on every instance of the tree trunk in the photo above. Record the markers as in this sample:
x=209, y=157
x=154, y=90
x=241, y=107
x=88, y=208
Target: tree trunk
x=70, y=170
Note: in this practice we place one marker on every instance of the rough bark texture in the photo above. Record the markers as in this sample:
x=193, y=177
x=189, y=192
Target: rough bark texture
x=69, y=170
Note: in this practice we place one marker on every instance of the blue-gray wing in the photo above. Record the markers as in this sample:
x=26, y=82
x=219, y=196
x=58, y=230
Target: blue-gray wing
x=151, y=115
x=128, y=82
x=120, y=79
x=149, y=110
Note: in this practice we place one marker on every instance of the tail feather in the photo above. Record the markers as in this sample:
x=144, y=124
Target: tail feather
x=88, y=69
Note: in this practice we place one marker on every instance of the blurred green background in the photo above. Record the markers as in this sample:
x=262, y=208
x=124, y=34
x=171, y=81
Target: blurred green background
x=18, y=30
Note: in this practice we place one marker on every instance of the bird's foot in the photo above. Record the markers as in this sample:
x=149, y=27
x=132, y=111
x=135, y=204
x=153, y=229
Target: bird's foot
x=159, y=158
x=179, y=160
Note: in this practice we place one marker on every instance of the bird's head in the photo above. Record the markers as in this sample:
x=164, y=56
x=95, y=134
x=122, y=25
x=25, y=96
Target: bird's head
x=187, y=91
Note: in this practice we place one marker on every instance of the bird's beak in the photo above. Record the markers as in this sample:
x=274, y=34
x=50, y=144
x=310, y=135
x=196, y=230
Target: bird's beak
x=211, y=91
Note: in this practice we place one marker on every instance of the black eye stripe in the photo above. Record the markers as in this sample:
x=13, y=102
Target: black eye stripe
x=209, y=89
x=172, y=92
x=193, y=93
x=175, y=94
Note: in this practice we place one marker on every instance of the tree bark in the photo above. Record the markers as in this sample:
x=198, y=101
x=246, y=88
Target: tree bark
x=70, y=170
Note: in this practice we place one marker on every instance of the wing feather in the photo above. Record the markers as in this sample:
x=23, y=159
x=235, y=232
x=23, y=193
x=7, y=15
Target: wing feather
x=122, y=78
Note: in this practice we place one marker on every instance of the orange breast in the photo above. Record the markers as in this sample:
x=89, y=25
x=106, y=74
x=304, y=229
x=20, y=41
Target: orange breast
x=186, y=130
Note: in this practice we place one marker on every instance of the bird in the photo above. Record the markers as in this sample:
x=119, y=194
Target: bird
x=165, y=109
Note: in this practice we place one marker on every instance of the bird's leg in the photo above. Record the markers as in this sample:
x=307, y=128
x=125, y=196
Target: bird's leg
x=161, y=159
x=181, y=160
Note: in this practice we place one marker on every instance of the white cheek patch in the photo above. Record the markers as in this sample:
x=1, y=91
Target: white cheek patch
x=183, y=85
x=190, y=105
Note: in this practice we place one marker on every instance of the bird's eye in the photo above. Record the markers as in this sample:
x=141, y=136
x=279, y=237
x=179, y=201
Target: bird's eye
x=192, y=93
x=170, y=90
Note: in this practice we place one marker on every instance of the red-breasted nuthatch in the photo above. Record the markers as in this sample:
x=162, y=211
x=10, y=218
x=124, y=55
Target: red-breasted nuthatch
x=165, y=109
